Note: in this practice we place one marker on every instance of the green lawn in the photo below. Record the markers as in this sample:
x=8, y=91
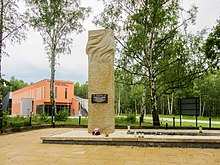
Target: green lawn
x=13, y=122
x=149, y=122
x=190, y=124
x=183, y=117
x=75, y=121
x=190, y=117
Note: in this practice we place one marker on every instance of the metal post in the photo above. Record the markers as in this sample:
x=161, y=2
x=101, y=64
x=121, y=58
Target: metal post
x=210, y=122
x=140, y=120
x=196, y=120
x=180, y=111
x=196, y=112
x=173, y=121
x=30, y=121
x=166, y=124
x=79, y=120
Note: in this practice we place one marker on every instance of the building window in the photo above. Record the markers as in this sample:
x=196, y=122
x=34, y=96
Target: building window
x=65, y=93
x=55, y=92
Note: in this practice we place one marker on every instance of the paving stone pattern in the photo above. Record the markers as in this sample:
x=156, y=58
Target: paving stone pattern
x=26, y=149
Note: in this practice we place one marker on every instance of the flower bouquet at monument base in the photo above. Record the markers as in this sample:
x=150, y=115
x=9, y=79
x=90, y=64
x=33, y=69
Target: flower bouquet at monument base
x=96, y=131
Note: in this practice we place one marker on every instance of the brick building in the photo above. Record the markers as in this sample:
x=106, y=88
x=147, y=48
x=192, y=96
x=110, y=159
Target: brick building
x=39, y=95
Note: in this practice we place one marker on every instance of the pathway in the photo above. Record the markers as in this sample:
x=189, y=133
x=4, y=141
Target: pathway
x=26, y=149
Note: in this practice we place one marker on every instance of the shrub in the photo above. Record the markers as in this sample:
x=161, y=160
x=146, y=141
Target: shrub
x=121, y=120
x=5, y=119
x=44, y=118
x=17, y=124
x=35, y=118
x=62, y=115
x=131, y=118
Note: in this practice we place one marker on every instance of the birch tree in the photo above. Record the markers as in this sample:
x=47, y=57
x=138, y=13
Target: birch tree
x=211, y=47
x=56, y=20
x=12, y=26
x=154, y=43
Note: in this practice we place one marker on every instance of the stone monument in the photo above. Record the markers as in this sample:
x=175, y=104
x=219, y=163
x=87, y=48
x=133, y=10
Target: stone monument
x=100, y=51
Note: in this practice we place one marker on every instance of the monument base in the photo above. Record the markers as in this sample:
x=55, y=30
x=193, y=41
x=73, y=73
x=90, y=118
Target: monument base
x=121, y=138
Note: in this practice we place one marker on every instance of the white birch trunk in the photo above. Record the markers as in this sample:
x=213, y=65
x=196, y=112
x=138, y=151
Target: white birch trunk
x=203, y=109
x=143, y=103
x=171, y=105
x=168, y=104
x=119, y=101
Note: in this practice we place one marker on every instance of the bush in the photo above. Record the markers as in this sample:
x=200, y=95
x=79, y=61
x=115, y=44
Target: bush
x=35, y=118
x=15, y=122
x=121, y=120
x=131, y=118
x=5, y=119
x=44, y=118
x=62, y=115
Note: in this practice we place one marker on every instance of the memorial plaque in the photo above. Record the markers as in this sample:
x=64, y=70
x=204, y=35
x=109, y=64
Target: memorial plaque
x=99, y=98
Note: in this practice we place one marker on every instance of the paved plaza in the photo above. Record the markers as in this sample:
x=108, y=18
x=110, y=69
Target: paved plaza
x=26, y=149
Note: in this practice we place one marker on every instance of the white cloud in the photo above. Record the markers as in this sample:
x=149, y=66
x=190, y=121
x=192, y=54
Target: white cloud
x=208, y=13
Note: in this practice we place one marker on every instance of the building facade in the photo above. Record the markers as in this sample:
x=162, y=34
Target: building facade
x=39, y=96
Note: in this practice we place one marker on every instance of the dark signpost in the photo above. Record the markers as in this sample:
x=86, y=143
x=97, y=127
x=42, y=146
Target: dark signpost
x=190, y=107
x=99, y=98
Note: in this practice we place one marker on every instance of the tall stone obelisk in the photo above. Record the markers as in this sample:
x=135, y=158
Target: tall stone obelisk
x=100, y=50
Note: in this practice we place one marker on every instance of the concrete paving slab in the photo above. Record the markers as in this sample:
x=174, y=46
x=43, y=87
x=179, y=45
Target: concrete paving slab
x=26, y=149
x=181, y=138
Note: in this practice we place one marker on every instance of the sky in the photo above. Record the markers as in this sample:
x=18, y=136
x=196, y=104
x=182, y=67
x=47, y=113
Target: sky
x=29, y=62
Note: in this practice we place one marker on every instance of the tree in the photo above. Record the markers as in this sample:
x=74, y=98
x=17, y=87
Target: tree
x=209, y=92
x=12, y=26
x=211, y=47
x=16, y=84
x=81, y=90
x=154, y=45
x=76, y=89
x=127, y=94
x=12, y=85
x=56, y=20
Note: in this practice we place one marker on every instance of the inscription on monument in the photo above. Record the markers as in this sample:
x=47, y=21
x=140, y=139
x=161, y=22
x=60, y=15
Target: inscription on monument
x=99, y=98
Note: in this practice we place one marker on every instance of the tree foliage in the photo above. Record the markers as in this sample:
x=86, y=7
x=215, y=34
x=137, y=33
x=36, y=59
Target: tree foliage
x=81, y=90
x=211, y=47
x=12, y=26
x=56, y=20
x=16, y=84
x=12, y=85
x=154, y=46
